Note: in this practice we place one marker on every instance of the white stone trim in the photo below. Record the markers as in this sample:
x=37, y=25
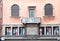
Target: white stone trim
x=32, y=38
x=52, y=30
x=59, y=30
x=21, y=25
x=45, y=30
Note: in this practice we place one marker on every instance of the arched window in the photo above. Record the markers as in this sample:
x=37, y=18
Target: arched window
x=48, y=10
x=15, y=10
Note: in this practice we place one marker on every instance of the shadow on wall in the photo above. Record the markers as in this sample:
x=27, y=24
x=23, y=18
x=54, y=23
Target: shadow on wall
x=48, y=18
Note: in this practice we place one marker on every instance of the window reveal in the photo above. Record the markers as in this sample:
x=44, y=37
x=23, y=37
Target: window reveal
x=8, y=31
x=48, y=31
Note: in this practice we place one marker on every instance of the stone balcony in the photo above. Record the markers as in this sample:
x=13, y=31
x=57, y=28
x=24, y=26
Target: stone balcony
x=31, y=20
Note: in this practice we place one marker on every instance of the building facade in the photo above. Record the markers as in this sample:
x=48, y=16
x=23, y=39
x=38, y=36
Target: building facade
x=31, y=20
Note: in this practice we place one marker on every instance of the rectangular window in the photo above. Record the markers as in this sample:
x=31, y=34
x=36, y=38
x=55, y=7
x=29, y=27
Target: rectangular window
x=41, y=31
x=55, y=30
x=8, y=31
x=15, y=31
x=48, y=30
x=31, y=11
x=21, y=31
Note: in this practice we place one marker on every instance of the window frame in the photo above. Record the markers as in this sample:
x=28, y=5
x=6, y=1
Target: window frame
x=43, y=32
x=11, y=30
x=6, y=30
x=24, y=31
x=12, y=9
x=54, y=28
x=16, y=28
x=50, y=28
x=0, y=1
x=51, y=14
x=32, y=8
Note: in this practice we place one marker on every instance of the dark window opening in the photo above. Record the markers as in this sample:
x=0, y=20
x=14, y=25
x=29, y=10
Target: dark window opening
x=21, y=30
x=48, y=10
x=15, y=31
x=41, y=31
x=48, y=30
x=56, y=30
x=15, y=10
x=8, y=31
